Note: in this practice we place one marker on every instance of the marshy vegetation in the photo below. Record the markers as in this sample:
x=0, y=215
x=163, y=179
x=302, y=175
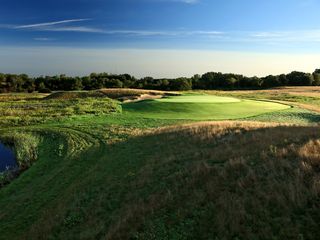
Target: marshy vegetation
x=25, y=147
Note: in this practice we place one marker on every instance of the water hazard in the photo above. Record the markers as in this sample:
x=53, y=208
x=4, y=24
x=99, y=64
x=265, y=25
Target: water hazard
x=7, y=158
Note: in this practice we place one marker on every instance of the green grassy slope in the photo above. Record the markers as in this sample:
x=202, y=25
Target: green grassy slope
x=196, y=186
x=201, y=107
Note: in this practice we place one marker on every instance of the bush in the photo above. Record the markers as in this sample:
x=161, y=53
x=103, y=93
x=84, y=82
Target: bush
x=45, y=90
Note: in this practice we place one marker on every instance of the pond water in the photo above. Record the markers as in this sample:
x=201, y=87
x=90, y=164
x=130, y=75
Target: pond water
x=7, y=158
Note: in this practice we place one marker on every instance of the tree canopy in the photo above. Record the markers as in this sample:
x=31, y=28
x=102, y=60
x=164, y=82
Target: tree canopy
x=207, y=81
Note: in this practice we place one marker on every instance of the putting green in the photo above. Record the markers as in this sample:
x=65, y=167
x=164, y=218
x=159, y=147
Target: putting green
x=201, y=107
x=188, y=98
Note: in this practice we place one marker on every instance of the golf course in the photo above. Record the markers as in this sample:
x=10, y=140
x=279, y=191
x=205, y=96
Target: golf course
x=188, y=165
x=159, y=120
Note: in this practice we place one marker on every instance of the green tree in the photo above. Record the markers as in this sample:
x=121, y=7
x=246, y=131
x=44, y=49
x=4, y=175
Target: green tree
x=316, y=77
x=271, y=81
x=299, y=79
x=181, y=84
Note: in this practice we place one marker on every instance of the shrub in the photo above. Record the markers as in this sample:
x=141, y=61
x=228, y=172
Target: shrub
x=45, y=90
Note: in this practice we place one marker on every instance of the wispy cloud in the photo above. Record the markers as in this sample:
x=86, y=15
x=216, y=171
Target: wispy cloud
x=287, y=36
x=161, y=33
x=56, y=26
x=265, y=37
x=188, y=1
x=83, y=29
x=68, y=26
x=43, y=39
x=47, y=24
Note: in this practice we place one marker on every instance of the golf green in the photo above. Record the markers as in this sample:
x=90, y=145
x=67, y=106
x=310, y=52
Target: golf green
x=201, y=107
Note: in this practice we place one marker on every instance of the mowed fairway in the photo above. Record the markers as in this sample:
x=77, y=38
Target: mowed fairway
x=201, y=107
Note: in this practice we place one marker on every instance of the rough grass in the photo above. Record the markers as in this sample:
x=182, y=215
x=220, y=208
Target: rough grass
x=74, y=95
x=291, y=115
x=21, y=96
x=32, y=111
x=222, y=180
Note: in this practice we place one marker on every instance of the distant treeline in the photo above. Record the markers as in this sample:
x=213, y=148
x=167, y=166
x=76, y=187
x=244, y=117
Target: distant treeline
x=207, y=81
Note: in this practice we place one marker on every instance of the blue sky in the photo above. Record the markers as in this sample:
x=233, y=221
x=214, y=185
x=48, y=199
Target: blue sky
x=285, y=28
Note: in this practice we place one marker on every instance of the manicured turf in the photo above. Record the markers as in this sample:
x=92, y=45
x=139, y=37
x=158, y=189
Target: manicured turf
x=191, y=98
x=201, y=107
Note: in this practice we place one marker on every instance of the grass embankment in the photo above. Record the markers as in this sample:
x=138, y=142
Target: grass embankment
x=221, y=180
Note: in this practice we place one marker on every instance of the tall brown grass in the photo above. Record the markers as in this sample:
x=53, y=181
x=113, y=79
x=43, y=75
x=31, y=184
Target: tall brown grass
x=238, y=180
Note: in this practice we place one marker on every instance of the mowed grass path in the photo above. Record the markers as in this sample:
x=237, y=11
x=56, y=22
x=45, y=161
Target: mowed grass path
x=201, y=107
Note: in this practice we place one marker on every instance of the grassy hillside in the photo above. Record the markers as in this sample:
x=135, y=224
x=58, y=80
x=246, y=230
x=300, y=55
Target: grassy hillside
x=222, y=180
x=151, y=171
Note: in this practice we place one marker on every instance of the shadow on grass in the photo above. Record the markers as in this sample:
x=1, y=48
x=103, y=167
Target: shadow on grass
x=167, y=185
